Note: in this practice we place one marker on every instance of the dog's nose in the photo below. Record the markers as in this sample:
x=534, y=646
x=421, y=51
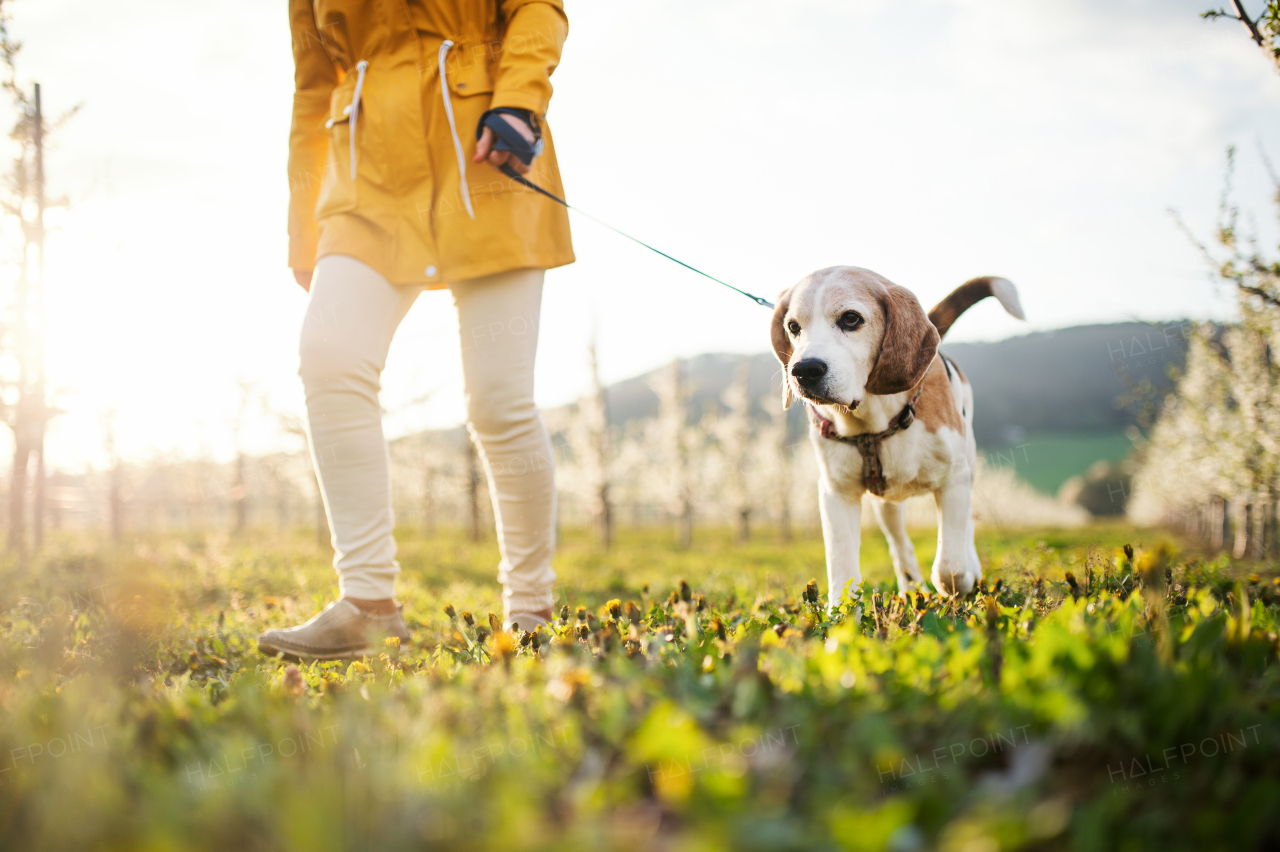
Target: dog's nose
x=809, y=370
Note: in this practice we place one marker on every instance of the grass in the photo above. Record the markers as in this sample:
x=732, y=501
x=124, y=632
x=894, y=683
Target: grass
x=1045, y=460
x=1084, y=699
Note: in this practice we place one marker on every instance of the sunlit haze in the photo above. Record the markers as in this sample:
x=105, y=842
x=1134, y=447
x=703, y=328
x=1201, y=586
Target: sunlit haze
x=930, y=141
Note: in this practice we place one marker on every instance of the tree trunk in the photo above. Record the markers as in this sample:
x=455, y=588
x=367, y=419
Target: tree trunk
x=115, y=492
x=241, y=496
x=1272, y=530
x=18, y=495
x=38, y=501
x=594, y=431
x=1243, y=525
x=428, y=503
x=1261, y=509
x=605, y=520
x=473, y=489
x=685, y=533
x=1217, y=523
x=39, y=409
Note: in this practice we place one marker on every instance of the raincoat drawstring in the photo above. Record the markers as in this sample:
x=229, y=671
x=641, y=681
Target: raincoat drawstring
x=355, y=111
x=453, y=128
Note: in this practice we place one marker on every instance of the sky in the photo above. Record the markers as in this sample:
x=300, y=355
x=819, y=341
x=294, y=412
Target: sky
x=929, y=140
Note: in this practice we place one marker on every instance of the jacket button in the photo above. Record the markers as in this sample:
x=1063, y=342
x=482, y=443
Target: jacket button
x=431, y=272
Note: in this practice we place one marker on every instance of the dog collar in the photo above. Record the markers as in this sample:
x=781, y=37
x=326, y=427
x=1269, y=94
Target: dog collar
x=868, y=443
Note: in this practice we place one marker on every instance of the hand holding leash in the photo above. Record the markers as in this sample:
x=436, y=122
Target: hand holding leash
x=504, y=138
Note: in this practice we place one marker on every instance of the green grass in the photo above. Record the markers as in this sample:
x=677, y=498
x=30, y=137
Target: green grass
x=728, y=713
x=1045, y=460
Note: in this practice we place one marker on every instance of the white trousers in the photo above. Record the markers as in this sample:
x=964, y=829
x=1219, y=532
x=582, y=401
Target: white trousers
x=351, y=317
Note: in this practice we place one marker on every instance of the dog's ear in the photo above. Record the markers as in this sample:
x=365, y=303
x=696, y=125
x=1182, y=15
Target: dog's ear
x=909, y=344
x=782, y=343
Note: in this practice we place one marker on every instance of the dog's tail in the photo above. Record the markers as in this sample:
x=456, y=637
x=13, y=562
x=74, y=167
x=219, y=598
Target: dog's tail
x=964, y=297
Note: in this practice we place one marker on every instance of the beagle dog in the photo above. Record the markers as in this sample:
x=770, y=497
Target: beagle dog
x=888, y=413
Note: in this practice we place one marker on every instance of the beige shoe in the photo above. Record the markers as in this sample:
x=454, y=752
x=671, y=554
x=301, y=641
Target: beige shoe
x=340, y=631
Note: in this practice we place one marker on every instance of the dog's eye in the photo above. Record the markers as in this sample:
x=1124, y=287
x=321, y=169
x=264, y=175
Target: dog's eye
x=850, y=321
x=793, y=327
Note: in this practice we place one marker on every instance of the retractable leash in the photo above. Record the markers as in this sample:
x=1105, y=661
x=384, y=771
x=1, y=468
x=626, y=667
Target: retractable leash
x=509, y=139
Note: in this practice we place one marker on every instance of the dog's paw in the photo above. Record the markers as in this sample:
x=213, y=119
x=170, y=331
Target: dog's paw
x=960, y=583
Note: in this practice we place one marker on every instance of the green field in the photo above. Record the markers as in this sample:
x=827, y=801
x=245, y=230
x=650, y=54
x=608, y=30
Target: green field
x=728, y=713
x=1045, y=460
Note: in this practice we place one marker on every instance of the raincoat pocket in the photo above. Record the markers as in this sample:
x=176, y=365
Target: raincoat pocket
x=338, y=190
x=468, y=71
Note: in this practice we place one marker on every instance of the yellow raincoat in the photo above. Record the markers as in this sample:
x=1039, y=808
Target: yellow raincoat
x=392, y=196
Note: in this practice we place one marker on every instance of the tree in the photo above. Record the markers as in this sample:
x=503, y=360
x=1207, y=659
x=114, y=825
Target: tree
x=115, y=477
x=1212, y=463
x=1264, y=29
x=777, y=449
x=592, y=440
x=431, y=471
x=735, y=435
x=473, y=487
x=240, y=490
x=292, y=425
x=22, y=198
x=673, y=428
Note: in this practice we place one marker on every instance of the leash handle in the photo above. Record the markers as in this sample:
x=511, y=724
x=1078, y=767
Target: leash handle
x=506, y=137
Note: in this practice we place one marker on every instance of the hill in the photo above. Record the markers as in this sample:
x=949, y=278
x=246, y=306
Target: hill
x=1067, y=380
x=1062, y=381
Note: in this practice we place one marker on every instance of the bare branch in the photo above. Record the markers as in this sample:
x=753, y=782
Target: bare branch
x=1260, y=293
x=1271, y=170
x=1190, y=235
x=1248, y=23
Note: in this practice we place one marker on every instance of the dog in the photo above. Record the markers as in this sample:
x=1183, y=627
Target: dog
x=888, y=413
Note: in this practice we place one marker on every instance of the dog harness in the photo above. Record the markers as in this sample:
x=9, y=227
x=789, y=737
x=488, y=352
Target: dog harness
x=868, y=443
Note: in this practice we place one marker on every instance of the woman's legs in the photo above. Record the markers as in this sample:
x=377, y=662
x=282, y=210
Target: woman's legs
x=351, y=317
x=498, y=325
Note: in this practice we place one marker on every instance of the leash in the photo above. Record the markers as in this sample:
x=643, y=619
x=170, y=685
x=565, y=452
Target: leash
x=509, y=139
x=868, y=443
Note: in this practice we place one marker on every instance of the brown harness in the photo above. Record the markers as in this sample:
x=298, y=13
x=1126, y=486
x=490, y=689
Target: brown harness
x=868, y=443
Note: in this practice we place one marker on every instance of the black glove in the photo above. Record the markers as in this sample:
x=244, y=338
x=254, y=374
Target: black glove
x=507, y=138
